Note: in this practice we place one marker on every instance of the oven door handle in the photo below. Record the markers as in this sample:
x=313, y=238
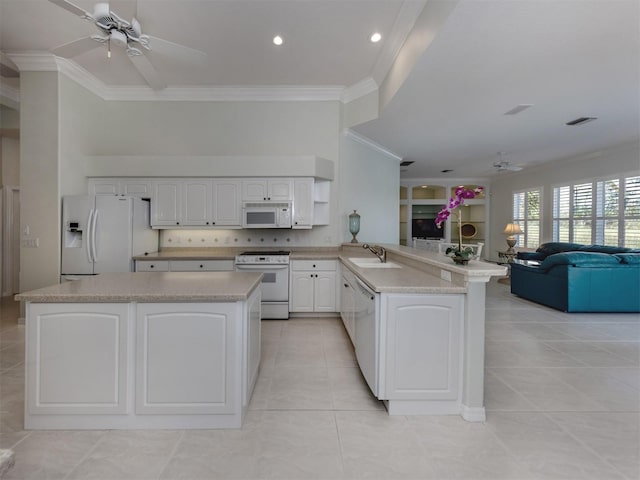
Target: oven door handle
x=261, y=267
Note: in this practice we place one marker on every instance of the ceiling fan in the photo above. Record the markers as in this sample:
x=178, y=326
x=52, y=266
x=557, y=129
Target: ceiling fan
x=116, y=31
x=503, y=165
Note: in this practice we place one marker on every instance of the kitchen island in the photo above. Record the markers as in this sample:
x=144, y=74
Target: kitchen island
x=142, y=351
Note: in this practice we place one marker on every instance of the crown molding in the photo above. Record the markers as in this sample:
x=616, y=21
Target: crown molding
x=358, y=90
x=371, y=144
x=227, y=94
x=47, y=62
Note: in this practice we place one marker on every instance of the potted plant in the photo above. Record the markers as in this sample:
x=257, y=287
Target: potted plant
x=460, y=255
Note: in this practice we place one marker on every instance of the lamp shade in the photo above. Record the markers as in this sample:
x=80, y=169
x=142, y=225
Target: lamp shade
x=512, y=229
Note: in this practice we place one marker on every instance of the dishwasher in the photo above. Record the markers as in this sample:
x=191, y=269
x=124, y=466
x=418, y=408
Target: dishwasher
x=366, y=333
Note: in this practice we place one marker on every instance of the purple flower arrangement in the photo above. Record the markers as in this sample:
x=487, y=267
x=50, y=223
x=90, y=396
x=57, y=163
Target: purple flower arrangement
x=461, y=194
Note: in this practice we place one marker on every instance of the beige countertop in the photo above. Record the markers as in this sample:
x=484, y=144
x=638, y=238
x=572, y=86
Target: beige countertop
x=150, y=287
x=420, y=272
x=224, y=253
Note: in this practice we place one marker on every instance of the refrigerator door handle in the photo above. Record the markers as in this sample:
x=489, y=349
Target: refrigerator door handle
x=88, y=239
x=93, y=235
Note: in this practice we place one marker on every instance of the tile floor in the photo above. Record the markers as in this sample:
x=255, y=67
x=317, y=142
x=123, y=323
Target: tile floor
x=562, y=398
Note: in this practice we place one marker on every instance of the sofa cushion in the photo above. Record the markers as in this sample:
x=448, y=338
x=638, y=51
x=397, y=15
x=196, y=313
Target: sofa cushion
x=629, y=258
x=603, y=249
x=579, y=259
x=556, y=247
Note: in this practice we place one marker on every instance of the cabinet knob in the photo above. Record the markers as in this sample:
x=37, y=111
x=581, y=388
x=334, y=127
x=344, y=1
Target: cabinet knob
x=177, y=223
x=213, y=223
x=314, y=265
x=346, y=285
x=150, y=266
x=311, y=275
x=207, y=223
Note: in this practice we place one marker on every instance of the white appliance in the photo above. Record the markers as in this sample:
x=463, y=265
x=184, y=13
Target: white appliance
x=275, y=280
x=102, y=233
x=366, y=334
x=266, y=215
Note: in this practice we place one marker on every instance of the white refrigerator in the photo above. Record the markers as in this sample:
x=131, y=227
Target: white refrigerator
x=102, y=233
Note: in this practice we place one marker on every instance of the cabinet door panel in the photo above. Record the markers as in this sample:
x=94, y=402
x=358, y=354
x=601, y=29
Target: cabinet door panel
x=303, y=203
x=58, y=336
x=325, y=292
x=301, y=293
x=196, y=202
x=226, y=203
x=166, y=204
x=185, y=358
x=423, y=338
x=280, y=189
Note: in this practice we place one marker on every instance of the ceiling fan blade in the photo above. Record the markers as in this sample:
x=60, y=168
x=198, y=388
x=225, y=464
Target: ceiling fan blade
x=176, y=50
x=76, y=47
x=72, y=8
x=150, y=74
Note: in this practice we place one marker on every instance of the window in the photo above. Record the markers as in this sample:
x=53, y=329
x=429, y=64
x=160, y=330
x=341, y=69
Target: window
x=631, y=215
x=603, y=212
x=526, y=213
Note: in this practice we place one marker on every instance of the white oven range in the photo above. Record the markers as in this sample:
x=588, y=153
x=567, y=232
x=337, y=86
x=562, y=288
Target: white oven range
x=275, y=281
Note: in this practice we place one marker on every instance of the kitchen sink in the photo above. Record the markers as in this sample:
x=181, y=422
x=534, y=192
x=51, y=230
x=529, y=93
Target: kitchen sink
x=372, y=262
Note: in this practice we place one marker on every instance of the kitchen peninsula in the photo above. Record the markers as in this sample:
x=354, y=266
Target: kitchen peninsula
x=425, y=352
x=142, y=350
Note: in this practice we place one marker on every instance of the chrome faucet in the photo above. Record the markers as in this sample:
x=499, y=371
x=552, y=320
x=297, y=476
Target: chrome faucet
x=379, y=251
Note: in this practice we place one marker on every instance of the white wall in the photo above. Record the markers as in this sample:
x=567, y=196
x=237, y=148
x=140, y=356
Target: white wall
x=370, y=182
x=613, y=161
x=65, y=127
x=40, y=196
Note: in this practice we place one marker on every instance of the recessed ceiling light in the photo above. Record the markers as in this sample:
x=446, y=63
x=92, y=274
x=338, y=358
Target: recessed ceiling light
x=277, y=40
x=424, y=186
x=375, y=38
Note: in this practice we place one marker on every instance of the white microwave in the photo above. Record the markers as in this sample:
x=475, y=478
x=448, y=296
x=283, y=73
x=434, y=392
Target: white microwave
x=266, y=215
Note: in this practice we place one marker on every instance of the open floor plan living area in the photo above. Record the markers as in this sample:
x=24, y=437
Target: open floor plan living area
x=562, y=395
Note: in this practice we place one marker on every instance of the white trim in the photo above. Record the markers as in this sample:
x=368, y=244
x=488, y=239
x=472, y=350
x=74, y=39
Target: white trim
x=473, y=414
x=227, y=94
x=47, y=62
x=360, y=89
x=370, y=143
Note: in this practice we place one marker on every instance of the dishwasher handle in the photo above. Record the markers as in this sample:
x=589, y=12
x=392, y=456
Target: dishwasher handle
x=365, y=288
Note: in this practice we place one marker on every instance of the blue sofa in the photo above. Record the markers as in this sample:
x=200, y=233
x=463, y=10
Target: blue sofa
x=579, y=278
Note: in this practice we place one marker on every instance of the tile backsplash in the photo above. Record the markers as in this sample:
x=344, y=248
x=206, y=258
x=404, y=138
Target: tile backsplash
x=235, y=238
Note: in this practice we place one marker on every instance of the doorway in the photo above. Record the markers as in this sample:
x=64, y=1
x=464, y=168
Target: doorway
x=10, y=240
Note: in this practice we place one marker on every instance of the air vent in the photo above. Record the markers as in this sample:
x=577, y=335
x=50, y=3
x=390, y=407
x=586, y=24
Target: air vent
x=518, y=108
x=580, y=121
x=406, y=163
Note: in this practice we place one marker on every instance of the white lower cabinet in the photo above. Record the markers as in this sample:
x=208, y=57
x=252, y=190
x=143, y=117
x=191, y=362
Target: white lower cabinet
x=184, y=266
x=140, y=365
x=313, y=286
x=421, y=347
x=77, y=357
x=185, y=358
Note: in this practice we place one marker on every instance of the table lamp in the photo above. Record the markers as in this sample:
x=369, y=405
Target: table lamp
x=512, y=229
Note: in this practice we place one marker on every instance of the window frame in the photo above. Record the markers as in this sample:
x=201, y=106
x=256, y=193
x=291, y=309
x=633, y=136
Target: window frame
x=522, y=240
x=597, y=213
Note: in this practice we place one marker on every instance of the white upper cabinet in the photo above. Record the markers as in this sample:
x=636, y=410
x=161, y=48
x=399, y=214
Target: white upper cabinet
x=132, y=187
x=274, y=189
x=302, y=203
x=225, y=202
x=166, y=206
x=196, y=202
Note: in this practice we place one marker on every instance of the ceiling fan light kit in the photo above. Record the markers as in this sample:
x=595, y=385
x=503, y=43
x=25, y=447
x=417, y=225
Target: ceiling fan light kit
x=123, y=34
